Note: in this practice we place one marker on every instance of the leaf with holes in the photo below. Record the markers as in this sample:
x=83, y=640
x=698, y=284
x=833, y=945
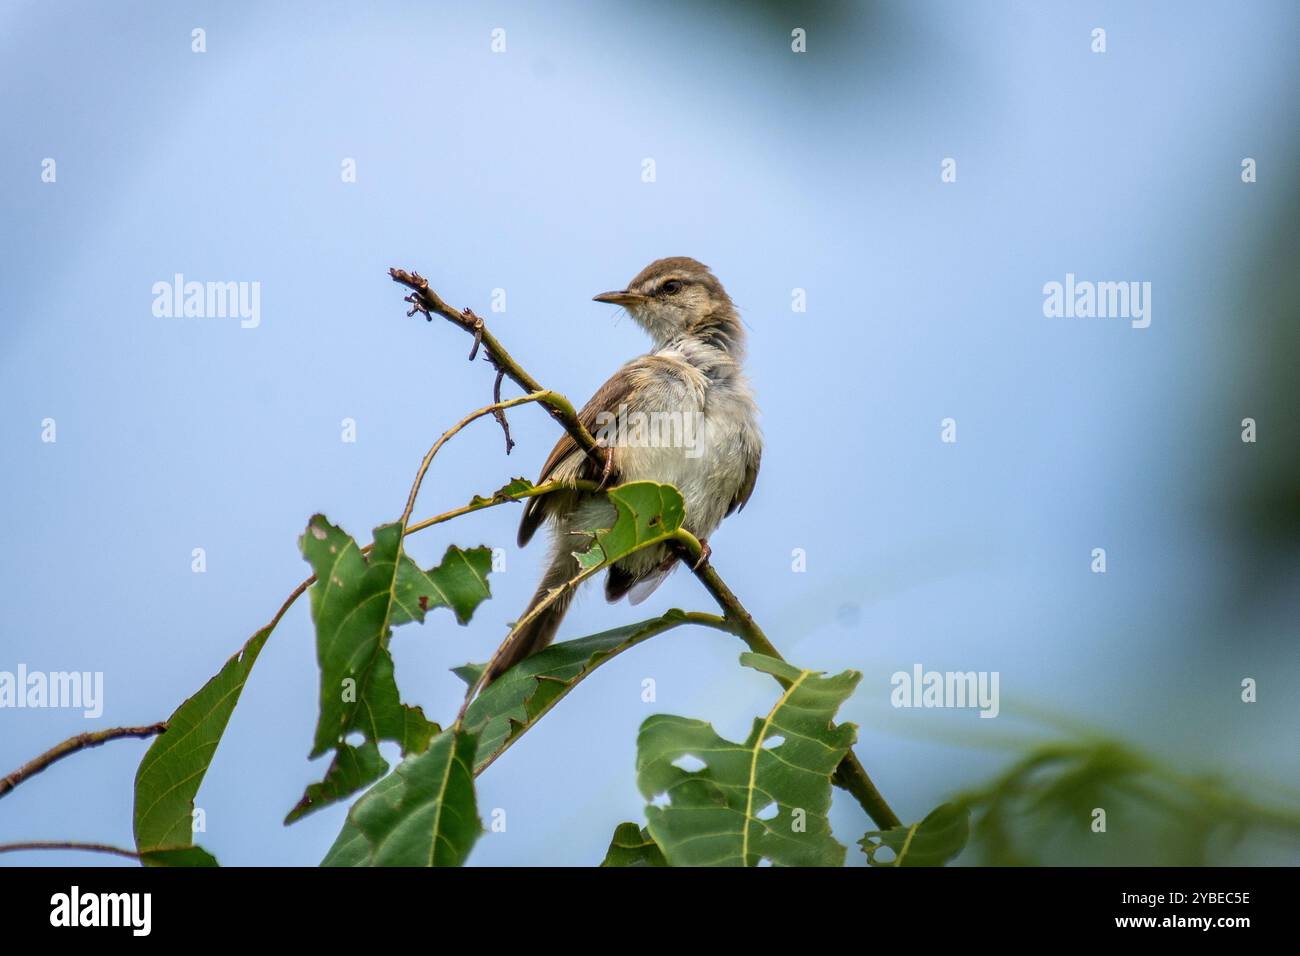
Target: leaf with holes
x=646, y=513
x=422, y=814
x=719, y=803
x=350, y=605
x=355, y=602
x=459, y=582
x=932, y=842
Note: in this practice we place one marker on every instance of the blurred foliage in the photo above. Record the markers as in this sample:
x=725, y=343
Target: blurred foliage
x=1042, y=811
x=1264, y=498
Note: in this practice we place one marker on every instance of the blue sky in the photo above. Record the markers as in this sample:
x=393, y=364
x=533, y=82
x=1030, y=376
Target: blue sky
x=522, y=171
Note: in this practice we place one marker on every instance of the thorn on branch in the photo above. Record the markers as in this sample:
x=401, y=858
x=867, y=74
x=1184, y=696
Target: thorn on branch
x=424, y=299
x=417, y=307
x=500, y=413
x=475, y=325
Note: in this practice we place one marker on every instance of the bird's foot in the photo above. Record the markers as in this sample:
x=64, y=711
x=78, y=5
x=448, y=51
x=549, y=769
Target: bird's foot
x=705, y=553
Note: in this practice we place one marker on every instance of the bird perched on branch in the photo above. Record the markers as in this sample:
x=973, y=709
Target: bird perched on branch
x=682, y=414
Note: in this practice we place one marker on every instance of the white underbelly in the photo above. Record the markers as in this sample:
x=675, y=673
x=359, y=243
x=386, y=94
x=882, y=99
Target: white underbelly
x=705, y=465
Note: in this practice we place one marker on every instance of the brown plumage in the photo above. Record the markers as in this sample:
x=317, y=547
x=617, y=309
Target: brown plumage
x=692, y=371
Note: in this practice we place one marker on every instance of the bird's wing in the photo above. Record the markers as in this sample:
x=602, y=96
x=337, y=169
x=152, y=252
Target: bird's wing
x=567, y=457
x=747, y=486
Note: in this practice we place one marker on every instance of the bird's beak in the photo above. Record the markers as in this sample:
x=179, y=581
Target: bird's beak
x=619, y=298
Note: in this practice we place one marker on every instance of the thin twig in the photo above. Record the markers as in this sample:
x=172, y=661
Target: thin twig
x=537, y=395
x=545, y=488
x=425, y=301
x=71, y=746
x=494, y=408
x=69, y=845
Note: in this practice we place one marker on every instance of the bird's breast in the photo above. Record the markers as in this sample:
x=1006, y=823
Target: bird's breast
x=694, y=438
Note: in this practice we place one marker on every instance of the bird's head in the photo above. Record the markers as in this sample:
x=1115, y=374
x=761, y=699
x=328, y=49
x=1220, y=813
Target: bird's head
x=679, y=298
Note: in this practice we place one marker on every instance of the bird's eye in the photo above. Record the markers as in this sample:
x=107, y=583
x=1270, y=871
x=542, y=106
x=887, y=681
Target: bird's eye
x=671, y=287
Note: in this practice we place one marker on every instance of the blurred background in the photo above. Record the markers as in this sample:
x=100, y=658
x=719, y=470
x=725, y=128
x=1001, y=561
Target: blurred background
x=522, y=170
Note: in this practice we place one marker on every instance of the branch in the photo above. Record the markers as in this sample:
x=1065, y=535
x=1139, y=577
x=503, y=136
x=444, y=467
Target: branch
x=850, y=774
x=69, y=845
x=497, y=407
x=426, y=302
x=545, y=488
x=71, y=746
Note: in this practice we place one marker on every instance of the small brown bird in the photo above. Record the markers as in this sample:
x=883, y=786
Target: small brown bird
x=682, y=414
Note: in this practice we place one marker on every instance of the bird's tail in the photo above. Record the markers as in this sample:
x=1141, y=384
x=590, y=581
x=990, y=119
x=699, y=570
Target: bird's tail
x=540, y=631
x=590, y=512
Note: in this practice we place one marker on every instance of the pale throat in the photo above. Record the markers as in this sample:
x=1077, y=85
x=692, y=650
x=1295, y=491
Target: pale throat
x=716, y=364
x=701, y=350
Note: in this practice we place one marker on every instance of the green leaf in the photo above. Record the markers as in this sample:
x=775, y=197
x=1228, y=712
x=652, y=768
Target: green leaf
x=765, y=799
x=350, y=847
x=633, y=846
x=514, y=702
x=422, y=814
x=469, y=673
x=517, y=699
x=419, y=730
x=510, y=492
x=169, y=776
x=351, y=769
x=932, y=842
x=350, y=604
x=647, y=512
x=355, y=602
x=459, y=582
x=181, y=856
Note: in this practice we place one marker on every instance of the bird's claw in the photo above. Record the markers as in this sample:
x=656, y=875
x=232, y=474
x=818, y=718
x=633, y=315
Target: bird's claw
x=606, y=470
x=705, y=553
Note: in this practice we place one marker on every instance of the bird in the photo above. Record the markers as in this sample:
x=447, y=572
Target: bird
x=694, y=369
